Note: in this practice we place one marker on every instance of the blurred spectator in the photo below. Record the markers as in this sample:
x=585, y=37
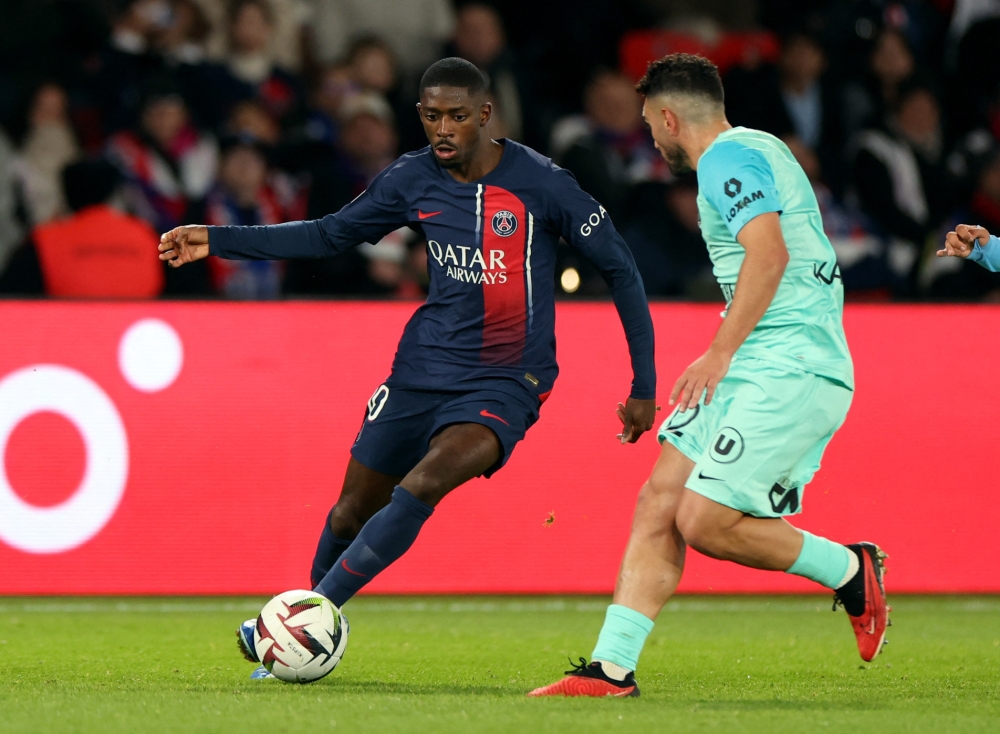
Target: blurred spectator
x=963, y=280
x=97, y=252
x=49, y=144
x=11, y=232
x=480, y=38
x=861, y=255
x=250, y=119
x=791, y=99
x=251, y=25
x=128, y=60
x=372, y=65
x=183, y=40
x=166, y=162
x=608, y=148
x=416, y=29
x=665, y=239
x=367, y=137
x=246, y=195
x=868, y=101
x=284, y=47
x=900, y=177
x=366, y=145
x=333, y=85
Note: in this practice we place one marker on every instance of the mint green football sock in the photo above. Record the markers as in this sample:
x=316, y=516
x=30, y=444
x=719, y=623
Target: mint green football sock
x=825, y=562
x=622, y=636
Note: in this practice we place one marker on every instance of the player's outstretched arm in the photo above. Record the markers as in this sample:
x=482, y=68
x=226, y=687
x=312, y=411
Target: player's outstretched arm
x=975, y=243
x=183, y=245
x=586, y=226
x=759, y=277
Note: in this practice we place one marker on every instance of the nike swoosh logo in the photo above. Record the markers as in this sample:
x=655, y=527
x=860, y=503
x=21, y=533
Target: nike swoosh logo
x=426, y=215
x=348, y=569
x=488, y=414
x=701, y=475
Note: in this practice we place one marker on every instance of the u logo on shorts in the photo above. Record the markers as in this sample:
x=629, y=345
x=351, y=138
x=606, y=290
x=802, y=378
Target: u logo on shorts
x=377, y=401
x=728, y=446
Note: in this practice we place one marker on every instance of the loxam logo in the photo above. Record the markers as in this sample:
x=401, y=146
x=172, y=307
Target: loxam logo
x=834, y=270
x=733, y=187
x=745, y=201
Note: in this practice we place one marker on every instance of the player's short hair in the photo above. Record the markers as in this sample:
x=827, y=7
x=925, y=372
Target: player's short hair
x=454, y=72
x=686, y=74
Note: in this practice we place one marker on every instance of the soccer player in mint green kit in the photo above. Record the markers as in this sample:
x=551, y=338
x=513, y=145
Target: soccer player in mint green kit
x=753, y=414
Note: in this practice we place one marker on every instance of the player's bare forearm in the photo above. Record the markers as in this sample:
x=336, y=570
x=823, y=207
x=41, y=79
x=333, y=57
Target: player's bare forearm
x=184, y=245
x=759, y=277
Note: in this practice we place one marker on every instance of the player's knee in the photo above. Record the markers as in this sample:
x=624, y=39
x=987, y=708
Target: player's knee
x=700, y=532
x=346, y=520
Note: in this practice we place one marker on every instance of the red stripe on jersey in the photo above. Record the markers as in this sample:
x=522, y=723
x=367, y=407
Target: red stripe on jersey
x=505, y=323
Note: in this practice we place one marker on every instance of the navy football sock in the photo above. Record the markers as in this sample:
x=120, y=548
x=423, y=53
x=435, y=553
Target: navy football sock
x=383, y=539
x=328, y=551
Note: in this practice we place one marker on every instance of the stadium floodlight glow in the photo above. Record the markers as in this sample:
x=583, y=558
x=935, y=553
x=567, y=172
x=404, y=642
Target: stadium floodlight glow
x=570, y=280
x=73, y=395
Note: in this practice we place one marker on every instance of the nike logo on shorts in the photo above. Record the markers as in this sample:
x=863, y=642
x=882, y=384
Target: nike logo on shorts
x=701, y=475
x=426, y=215
x=488, y=414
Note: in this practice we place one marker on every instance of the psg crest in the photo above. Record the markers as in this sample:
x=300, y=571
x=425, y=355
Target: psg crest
x=504, y=223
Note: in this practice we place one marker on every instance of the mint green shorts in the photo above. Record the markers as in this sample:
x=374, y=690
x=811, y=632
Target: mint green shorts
x=760, y=440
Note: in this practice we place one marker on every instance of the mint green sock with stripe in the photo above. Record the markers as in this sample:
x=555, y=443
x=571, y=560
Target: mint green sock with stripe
x=622, y=636
x=825, y=562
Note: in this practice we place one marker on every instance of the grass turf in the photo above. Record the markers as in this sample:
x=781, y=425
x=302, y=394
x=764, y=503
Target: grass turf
x=735, y=664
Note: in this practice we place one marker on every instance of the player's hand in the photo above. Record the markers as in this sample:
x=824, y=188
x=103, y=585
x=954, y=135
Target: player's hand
x=703, y=375
x=960, y=242
x=637, y=417
x=184, y=245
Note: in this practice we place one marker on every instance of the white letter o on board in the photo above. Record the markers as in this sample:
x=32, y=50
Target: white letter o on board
x=80, y=400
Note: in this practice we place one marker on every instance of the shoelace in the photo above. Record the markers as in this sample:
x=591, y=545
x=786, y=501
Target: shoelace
x=577, y=668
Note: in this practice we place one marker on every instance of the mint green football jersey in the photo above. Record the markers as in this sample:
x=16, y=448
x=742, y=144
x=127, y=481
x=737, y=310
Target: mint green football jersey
x=745, y=173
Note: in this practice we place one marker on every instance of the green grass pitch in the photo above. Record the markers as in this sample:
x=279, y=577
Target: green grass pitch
x=463, y=664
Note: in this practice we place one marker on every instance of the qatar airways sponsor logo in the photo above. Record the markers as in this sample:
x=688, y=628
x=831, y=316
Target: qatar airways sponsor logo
x=469, y=264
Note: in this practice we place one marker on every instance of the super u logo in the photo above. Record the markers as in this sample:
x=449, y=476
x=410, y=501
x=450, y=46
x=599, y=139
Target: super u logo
x=504, y=223
x=150, y=356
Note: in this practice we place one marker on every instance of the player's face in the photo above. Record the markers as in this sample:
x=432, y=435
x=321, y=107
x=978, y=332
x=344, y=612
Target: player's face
x=454, y=122
x=665, y=141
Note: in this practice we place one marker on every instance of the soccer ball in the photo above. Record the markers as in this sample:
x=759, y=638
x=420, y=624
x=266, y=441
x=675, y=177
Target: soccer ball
x=300, y=636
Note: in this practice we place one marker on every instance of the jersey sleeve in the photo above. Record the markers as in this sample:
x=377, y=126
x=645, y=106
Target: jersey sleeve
x=739, y=182
x=987, y=255
x=378, y=210
x=585, y=225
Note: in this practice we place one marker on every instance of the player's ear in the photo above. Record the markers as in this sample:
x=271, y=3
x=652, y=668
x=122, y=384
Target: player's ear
x=485, y=114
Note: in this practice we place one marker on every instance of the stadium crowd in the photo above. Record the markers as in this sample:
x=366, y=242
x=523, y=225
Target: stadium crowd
x=120, y=119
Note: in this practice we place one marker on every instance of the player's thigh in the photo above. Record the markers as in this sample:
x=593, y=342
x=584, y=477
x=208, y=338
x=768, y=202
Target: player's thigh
x=396, y=429
x=660, y=496
x=457, y=453
x=364, y=493
x=767, y=420
x=506, y=414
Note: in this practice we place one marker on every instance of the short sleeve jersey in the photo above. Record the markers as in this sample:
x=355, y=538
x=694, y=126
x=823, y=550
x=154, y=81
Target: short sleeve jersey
x=745, y=173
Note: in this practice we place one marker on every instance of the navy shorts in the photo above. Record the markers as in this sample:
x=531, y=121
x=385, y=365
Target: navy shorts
x=400, y=422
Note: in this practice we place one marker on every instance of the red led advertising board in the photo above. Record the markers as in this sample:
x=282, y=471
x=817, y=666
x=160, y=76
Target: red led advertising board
x=195, y=448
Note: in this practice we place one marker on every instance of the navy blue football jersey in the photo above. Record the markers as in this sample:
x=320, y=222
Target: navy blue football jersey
x=489, y=317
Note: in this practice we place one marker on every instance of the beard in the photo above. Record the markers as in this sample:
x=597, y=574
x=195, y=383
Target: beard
x=677, y=160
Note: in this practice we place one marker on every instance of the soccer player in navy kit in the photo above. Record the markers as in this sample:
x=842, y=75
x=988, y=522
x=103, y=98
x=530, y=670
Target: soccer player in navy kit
x=477, y=360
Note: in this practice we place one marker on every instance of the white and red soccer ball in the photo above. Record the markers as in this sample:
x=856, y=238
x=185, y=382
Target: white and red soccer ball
x=300, y=636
